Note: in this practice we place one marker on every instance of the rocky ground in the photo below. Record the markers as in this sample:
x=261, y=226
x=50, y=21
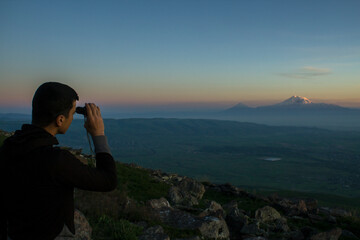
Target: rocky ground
x=278, y=218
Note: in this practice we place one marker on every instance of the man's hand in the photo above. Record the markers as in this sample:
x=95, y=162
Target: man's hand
x=94, y=123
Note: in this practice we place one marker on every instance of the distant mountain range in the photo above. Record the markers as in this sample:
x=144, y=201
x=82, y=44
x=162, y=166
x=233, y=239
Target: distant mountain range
x=292, y=103
x=294, y=111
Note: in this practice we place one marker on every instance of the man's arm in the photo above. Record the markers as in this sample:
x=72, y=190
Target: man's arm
x=68, y=170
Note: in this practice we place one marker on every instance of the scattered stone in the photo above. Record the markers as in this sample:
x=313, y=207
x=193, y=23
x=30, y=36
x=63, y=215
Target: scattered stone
x=298, y=207
x=213, y=209
x=281, y=225
x=333, y=234
x=214, y=228
x=235, y=219
x=154, y=233
x=158, y=203
x=82, y=227
x=338, y=212
x=315, y=218
x=267, y=214
x=187, y=192
x=209, y=227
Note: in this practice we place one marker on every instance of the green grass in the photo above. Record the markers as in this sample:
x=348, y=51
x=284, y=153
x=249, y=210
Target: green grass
x=139, y=185
x=2, y=138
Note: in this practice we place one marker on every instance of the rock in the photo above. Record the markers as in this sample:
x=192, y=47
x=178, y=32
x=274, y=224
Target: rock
x=338, y=212
x=267, y=214
x=231, y=205
x=209, y=227
x=154, y=233
x=315, y=218
x=186, y=192
x=333, y=234
x=158, y=203
x=213, y=209
x=235, y=219
x=82, y=227
x=214, y=228
x=281, y=225
x=296, y=206
x=312, y=205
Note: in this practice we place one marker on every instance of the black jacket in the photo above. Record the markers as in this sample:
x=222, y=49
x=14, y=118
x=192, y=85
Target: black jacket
x=38, y=181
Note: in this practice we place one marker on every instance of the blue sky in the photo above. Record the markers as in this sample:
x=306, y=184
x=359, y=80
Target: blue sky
x=206, y=53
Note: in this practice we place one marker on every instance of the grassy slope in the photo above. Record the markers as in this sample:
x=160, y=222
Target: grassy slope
x=137, y=184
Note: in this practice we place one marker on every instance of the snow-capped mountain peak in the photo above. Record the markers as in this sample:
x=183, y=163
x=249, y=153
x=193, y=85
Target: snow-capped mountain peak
x=298, y=100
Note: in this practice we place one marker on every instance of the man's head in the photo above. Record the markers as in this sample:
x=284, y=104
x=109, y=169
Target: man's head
x=52, y=104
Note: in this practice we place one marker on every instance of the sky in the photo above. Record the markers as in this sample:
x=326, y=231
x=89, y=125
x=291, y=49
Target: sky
x=184, y=54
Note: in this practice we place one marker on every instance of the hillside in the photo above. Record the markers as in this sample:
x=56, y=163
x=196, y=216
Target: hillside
x=151, y=204
x=311, y=160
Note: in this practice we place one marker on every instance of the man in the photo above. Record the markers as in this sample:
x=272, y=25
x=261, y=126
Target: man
x=38, y=179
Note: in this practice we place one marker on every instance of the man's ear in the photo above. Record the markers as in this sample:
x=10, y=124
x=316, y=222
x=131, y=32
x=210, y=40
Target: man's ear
x=60, y=120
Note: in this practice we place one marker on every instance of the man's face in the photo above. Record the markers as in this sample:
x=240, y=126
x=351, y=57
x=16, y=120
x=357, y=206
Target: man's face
x=67, y=121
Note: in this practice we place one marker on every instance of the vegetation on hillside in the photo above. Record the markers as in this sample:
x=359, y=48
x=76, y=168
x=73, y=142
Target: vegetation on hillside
x=128, y=204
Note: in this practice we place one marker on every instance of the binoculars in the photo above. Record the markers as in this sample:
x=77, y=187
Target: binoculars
x=81, y=110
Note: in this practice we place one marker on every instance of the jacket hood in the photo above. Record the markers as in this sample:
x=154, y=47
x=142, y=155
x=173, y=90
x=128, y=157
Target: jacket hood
x=27, y=139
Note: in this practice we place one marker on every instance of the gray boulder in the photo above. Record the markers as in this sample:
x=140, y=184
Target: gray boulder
x=158, y=203
x=213, y=209
x=186, y=192
x=267, y=214
x=296, y=206
x=82, y=227
x=235, y=219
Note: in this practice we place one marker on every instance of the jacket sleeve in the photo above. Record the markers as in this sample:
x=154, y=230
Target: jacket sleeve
x=69, y=171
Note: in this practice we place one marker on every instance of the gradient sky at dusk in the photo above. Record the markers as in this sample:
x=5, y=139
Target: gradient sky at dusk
x=181, y=53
